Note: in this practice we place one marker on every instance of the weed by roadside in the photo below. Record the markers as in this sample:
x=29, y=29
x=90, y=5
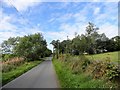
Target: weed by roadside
x=79, y=72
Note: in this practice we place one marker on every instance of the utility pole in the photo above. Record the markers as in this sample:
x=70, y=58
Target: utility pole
x=67, y=37
x=58, y=48
x=67, y=46
x=53, y=52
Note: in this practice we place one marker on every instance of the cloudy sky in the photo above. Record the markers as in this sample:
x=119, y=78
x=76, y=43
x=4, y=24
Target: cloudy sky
x=56, y=19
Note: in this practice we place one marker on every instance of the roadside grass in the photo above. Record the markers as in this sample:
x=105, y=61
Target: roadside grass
x=11, y=64
x=68, y=79
x=112, y=56
x=8, y=76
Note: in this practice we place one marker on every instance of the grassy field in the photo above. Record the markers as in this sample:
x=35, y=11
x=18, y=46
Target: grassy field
x=8, y=76
x=112, y=56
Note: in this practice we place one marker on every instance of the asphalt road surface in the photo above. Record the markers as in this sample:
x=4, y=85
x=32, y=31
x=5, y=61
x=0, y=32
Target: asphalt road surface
x=41, y=76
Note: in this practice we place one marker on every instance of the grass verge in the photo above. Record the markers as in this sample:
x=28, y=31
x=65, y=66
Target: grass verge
x=8, y=76
x=68, y=79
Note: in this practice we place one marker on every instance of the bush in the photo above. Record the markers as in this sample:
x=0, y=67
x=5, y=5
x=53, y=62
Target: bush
x=113, y=72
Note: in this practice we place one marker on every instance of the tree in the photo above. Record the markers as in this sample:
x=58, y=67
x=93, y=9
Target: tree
x=106, y=44
x=76, y=45
x=116, y=41
x=56, y=45
x=91, y=33
x=101, y=43
x=48, y=52
x=7, y=46
x=65, y=46
x=31, y=47
x=90, y=29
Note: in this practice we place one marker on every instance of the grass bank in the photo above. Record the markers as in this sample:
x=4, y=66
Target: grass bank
x=78, y=72
x=8, y=76
x=69, y=80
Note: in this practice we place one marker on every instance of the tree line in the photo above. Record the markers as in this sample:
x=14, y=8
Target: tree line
x=30, y=47
x=89, y=43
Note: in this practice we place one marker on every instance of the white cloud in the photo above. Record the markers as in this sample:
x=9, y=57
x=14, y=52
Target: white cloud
x=21, y=5
x=7, y=29
x=80, y=17
x=109, y=29
x=96, y=11
x=5, y=23
x=5, y=35
x=71, y=29
x=79, y=0
x=65, y=30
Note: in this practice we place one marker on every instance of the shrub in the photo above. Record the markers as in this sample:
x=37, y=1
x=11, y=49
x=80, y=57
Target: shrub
x=113, y=72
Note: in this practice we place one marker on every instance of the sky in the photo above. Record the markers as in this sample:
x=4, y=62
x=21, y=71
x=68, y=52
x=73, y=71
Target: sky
x=57, y=19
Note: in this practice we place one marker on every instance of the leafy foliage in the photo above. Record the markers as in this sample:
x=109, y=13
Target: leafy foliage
x=30, y=47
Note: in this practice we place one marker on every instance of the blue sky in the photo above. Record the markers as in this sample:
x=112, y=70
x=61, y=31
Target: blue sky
x=56, y=20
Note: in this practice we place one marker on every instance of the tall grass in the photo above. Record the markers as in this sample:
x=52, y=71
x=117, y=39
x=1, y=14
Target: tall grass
x=79, y=71
x=11, y=64
x=70, y=80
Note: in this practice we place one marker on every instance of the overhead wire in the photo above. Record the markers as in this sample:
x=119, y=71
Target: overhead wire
x=26, y=20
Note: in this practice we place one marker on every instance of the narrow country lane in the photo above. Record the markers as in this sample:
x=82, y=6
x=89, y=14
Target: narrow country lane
x=42, y=76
